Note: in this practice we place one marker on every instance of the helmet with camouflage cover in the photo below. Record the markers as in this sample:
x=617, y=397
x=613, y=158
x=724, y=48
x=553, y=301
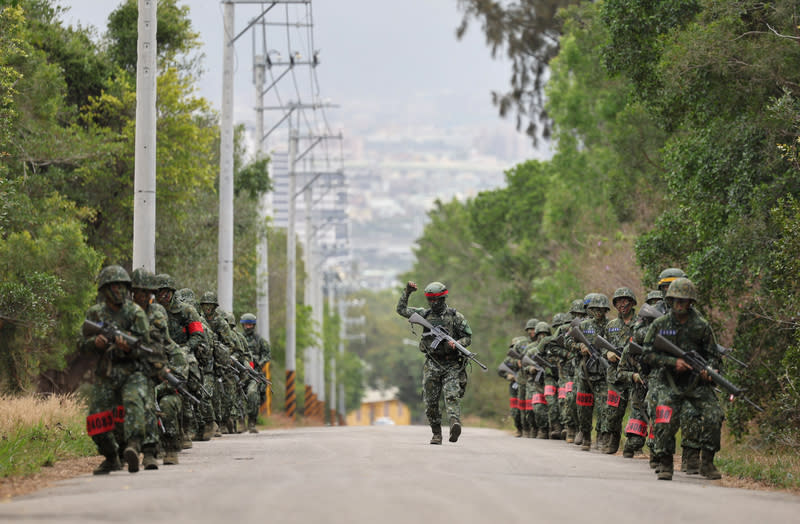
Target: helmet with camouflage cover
x=598, y=300
x=209, y=297
x=542, y=327
x=559, y=319
x=669, y=275
x=623, y=292
x=531, y=323
x=230, y=318
x=682, y=288
x=113, y=274
x=517, y=340
x=185, y=295
x=142, y=279
x=165, y=281
x=247, y=318
x=653, y=297
x=577, y=307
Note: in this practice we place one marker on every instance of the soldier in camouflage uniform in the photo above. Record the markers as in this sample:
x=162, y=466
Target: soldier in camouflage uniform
x=553, y=352
x=261, y=354
x=541, y=381
x=169, y=403
x=525, y=400
x=681, y=392
x=665, y=278
x=592, y=387
x=186, y=329
x=226, y=341
x=241, y=352
x=444, y=371
x=513, y=386
x=122, y=391
x=619, y=331
x=634, y=372
x=654, y=297
x=569, y=419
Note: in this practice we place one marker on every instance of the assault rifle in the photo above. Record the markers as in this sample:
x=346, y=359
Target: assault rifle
x=514, y=354
x=527, y=361
x=602, y=343
x=250, y=372
x=111, y=332
x=440, y=335
x=578, y=335
x=726, y=352
x=699, y=364
x=503, y=368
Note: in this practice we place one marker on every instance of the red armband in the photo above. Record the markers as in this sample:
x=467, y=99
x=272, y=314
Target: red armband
x=562, y=393
x=663, y=414
x=538, y=398
x=613, y=398
x=119, y=414
x=549, y=391
x=195, y=327
x=98, y=423
x=636, y=427
x=584, y=399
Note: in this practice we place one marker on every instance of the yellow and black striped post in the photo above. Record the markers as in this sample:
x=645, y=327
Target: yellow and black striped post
x=308, y=402
x=291, y=400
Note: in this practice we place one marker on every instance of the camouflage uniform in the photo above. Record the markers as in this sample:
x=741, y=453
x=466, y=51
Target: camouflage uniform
x=538, y=382
x=592, y=387
x=260, y=354
x=551, y=350
x=685, y=395
x=619, y=331
x=226, y=376
x=513, y=388
x=525, y=396
x=568, y=374
x=122, y=392
x=444, y=369
x=246, y=402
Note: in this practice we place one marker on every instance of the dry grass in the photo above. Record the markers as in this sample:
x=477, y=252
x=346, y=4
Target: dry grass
x=18, y=412
x=758, y=466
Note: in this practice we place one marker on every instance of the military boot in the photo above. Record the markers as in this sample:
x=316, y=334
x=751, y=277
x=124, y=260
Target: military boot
x=570, y=437
x=542, y=433
x=563, y=433
x=241, y=424
x=437, y=434
x=149, y=458
x=653, y=460
x=613, y=443
x=691, y=456
x=578, y=438
x=230, y=426
x=586, y=445
x=518, y=433
x=208, y=432
x=111, y=463
x=707, y=467
x=131, y=455
x=217, y=432
x=186, y=441
x=665, y=468
x=683, y=459
x=555, y=431
x=628, y=451
x=170, y=458
x=251, y=425
x=455, y=430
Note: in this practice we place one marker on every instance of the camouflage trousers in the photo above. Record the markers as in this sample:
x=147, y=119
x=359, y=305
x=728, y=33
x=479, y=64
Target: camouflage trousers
x=205, y=412
x=171, y=415
x=448, y=379
x=513, y=403
x=616, y=405
x=253, y=398
x=224, y=398
x=122, y=410
x=534, y=391
x=525, y=409
x=553, y=402
x=591, y=402
x=697, y=414
x=569, y=411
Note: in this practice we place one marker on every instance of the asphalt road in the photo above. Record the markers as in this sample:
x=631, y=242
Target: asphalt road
x=390, y=474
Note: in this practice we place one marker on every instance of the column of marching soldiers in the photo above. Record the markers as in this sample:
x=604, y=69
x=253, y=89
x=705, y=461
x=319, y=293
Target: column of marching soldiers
x=584, y=369
x=170, y=370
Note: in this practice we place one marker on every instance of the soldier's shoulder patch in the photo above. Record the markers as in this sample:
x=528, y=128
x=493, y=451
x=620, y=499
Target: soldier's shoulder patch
x=588, y=331
x=668, y=332
x=613, y=329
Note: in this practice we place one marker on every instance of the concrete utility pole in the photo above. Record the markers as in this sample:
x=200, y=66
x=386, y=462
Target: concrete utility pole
x=264, y=209
x=291, y=295
x=331, y=285
x=309, y=369
x=144, y=178
x=225, y=254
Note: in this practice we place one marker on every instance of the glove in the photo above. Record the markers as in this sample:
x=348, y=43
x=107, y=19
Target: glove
x=411, y=287
x=637, y=378
x=584, y=349
x=612, y=357
x=509, y=376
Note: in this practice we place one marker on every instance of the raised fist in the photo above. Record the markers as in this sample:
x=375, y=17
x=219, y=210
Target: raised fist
x=411, y=287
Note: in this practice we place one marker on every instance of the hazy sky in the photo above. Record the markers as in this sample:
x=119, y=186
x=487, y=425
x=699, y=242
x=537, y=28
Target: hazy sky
x=374, y=53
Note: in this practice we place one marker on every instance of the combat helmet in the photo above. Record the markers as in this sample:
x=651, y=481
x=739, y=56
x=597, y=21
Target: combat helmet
x=542, y=327
x=247, y=318
x=209, y=297
x=623, y=292
x=559, y=319
x=186, y=295
x=113, y=274
x=165, y=281
x=598, y=300
x=435, y=290
x=577, y=307
x=230, y=318
x=531, y=323
x=682, y=288
x=653, y=297
x=668, y=275
x=142, y=279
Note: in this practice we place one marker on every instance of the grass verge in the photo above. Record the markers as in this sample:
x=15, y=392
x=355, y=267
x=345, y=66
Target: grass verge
x=770, y=466
x=38, y=431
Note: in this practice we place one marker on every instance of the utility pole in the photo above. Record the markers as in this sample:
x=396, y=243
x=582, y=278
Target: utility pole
x=264, y=209
x=291, y=295
x=225, y=249
x=144, y=178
